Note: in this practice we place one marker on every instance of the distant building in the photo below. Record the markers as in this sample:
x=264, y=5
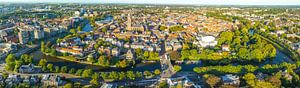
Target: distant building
x=137, y=27
x=39, y=34
x=29, y=33
x=129, y=22
x=25, y=36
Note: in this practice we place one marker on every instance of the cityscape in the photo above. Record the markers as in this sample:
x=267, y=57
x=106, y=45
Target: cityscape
x=55, y=44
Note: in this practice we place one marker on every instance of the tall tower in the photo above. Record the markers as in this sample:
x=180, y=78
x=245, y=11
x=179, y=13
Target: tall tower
x=129, y=22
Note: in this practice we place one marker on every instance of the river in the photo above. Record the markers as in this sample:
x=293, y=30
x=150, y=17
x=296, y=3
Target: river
x=280, y=58
x=37, y=55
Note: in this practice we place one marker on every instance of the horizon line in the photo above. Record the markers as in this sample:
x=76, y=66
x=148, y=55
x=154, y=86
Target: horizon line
x=9, y=2
x=138, y=3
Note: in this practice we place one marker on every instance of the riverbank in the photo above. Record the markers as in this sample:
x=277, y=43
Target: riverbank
x=286, y=51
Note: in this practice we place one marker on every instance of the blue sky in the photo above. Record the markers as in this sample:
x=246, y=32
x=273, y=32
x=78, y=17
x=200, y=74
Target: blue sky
x=195, y=2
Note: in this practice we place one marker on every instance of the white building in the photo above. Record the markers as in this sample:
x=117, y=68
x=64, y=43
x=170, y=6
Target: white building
x=208, y=41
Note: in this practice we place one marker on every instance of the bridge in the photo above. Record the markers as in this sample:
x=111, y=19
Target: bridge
x=165, y=62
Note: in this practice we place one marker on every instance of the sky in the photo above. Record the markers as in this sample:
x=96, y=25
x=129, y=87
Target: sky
x=193, y=2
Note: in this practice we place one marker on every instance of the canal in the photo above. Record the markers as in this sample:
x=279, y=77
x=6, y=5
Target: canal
x=280, y=58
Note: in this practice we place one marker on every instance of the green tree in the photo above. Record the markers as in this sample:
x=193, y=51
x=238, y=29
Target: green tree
x=157, y=72
x=243, y=53
x=26, y=59
x=53, y=52
x=10, y=58
x=87, y=73
x=257, y=54
x=69, y=85
x=122, y=75
x=18, y=65
x=78, y=72
x=72, y=71
x=42, y=46
x=64, y=69
x=122, y=64
x=43, y=62
x=250, y=79
x=147, y=73
x=225, y=37
x=104, y=29
x=73, y=31
x=56, y=69
x=50, y=67
x=10, y=62
x=163, y=85
x=177, y=68
x=103, y=61
x=162, y=28
x=113, y=75
x=95, y=79
x=138, y=74
x=130, y=75
x=79, y=28
x=90, y=59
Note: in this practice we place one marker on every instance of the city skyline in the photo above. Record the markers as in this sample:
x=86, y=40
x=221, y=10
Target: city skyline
x=185, y=2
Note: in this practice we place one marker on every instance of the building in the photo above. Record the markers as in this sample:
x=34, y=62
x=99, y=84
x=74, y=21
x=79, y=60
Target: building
x=70, y=51
x=208, y=41
x=12, y=79
x=129, y=55
x=25, y=36
x=31, y=80
x=52, y=80
x=27, y=69
x=39, y=34
x=225, y=48
x=115, y=52
x=230, y=79
x=138, y=27
x=29, y=33
x=128, y=22
x=6, y=48
x=108, y=85
x=183, y=82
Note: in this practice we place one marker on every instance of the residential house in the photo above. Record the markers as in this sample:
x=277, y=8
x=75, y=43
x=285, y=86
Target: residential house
x=225, y=48
x=13, y=79
x=286, y=75
x=230, y=79
x=31, y=80
x=115, y=52
x=182, y=81
x=52, y=80
x=27, y=68
x=71, y=51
